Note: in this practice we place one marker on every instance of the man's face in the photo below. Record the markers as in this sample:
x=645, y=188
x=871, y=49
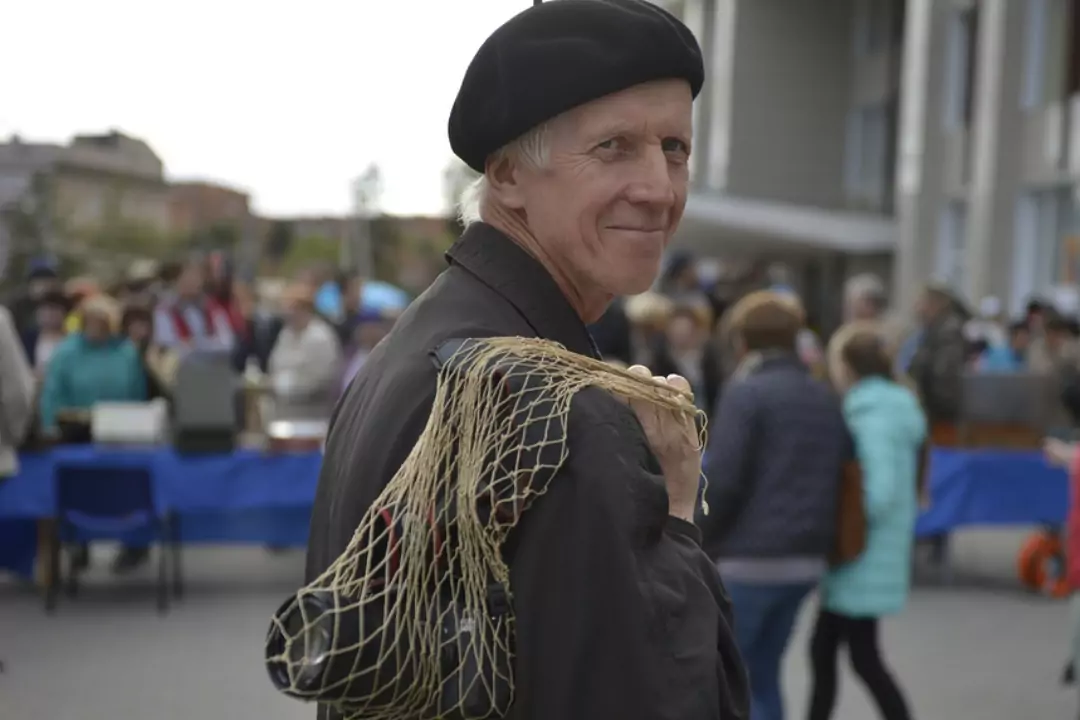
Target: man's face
x=1020, y=339
x=614, y=188
x=861, y=307
x=139, y=331
x=684, y=334
x=50, y=317
x=191, y=281
x=39, y=286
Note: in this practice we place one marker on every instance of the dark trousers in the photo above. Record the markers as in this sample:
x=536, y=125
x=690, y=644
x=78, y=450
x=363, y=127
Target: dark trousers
x=861, y=636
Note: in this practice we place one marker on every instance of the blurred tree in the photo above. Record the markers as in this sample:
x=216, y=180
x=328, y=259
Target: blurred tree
x=32, y=228
x=279, y=240
x=456, y=177
x=219, y=236
x=386, y=241
x=308, y=252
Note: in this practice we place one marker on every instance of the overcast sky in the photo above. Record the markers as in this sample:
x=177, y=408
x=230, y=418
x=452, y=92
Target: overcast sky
x=288, y=101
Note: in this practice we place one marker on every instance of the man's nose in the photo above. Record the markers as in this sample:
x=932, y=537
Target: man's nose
x=652, y=184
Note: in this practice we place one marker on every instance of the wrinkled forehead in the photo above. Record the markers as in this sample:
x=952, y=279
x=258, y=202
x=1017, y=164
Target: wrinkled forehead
x=659, y=108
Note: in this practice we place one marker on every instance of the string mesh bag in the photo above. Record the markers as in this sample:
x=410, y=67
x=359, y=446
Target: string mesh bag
x=414, y=620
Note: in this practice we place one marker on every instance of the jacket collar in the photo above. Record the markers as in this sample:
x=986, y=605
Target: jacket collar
x=756, y=361
x=501, y=264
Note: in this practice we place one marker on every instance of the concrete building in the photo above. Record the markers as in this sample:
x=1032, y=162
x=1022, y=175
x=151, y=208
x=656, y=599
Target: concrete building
x=93, y=181
x=922, y=139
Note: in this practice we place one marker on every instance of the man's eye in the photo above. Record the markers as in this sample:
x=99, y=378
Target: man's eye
x=610, y=144
x=675, y=145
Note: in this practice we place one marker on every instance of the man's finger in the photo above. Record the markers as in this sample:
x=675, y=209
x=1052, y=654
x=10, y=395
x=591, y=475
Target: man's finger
x=678, y=382
x=640, y=370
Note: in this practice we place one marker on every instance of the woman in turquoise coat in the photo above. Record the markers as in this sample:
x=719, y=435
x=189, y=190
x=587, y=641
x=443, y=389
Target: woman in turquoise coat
x=888, y=427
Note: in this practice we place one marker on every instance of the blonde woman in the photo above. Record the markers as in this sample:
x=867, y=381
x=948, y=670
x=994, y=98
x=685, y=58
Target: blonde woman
x=888, y=428
x=92, y=365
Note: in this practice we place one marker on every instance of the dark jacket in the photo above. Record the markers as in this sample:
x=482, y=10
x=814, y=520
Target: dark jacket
x=777, y=447
x=619, y=614
x=937, y=368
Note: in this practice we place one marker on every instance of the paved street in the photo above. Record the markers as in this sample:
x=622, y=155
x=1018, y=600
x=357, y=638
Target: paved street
x=981, y=650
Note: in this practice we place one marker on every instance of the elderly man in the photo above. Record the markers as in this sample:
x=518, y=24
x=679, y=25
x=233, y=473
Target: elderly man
x=578, y=115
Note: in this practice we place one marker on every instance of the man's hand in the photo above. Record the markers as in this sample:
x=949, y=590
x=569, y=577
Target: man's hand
x=674, y=440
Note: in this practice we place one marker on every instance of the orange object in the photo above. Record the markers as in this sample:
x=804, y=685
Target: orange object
x=1040, y=564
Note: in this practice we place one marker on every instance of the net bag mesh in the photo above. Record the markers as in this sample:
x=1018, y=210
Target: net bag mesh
x=402, y=625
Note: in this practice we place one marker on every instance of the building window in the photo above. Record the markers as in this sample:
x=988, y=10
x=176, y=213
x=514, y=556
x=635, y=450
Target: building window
x=1042, y=246
x=874, y=25
x=1049, y=52
x=962, y=61
x=952, y=236
x=870, y=156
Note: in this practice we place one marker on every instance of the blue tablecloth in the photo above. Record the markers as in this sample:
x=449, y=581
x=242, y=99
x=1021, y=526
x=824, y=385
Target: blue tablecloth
x=246, y=496
x=992, y=487
x=254, y=497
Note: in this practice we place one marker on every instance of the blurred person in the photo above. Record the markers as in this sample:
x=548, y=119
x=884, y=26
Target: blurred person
x=866, y=299
x=46, y=332
x=936, y=370
x=18, y=538
x=95, y=364
x=1010, y=357
x=190, y=320
x=305, y=362
x=680, y=280
x=939, y=359
x=987, y=327
x=777, y=447
x=888, y=428
x=78, y=290
x=1060, y=453
x=16, y=395
x=686, y=350
x=159, y=364
x=581, y=141
x=352, y=285
x=648, y=314
x=42, y=279
x=369, y=329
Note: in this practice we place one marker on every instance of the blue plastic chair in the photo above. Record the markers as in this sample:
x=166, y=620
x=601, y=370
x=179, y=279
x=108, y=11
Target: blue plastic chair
x=109, y=502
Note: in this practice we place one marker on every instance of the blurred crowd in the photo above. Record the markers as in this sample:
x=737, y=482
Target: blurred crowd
x=69, y=344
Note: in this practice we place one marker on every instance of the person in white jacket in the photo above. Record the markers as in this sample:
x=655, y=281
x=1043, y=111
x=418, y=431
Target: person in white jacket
x=305, y=363
x=16, y=395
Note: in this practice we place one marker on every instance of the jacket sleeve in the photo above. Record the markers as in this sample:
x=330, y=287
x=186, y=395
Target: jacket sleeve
x=619, y=614
x=727, y=462
x=16, y=384
x=54, y=391
x=322, y=363
x=137, y=374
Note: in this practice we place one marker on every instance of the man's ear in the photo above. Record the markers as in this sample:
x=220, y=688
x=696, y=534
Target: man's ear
x=504, y=179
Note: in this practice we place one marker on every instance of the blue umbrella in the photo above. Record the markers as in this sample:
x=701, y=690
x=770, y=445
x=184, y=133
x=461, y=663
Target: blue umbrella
x=382, y=296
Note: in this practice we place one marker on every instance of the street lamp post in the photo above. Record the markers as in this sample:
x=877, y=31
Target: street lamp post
x=366, y=191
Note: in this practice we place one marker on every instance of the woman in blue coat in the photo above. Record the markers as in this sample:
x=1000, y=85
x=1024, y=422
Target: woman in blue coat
x=888, y=427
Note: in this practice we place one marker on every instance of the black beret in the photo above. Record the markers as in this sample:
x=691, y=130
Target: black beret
x=560, y=54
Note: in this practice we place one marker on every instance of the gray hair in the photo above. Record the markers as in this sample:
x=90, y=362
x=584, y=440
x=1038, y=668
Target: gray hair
x=866, y=286
x=533, y=148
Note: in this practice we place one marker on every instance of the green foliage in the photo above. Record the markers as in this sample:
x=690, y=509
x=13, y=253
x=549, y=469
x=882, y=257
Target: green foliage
x=309, y=251
x=279, y=240
x=386, y=243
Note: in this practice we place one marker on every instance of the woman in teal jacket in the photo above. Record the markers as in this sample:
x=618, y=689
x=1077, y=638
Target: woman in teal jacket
x=91, y=366
x=888, y=427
